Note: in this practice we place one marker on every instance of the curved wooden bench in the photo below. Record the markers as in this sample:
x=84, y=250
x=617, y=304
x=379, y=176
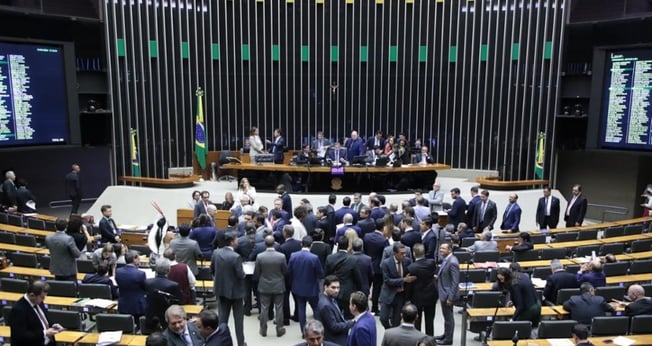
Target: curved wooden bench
x=494, y=182
x=171, y=183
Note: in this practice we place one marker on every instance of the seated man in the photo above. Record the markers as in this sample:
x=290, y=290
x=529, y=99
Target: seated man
x=101, y=277
x=587, y=305
x=592, y=273
x=486, y=244
x=640, y=305
x=337, y=156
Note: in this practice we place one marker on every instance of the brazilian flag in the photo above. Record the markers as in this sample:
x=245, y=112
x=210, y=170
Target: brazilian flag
x=540, y=156
x=135, y=157
x=200, y=131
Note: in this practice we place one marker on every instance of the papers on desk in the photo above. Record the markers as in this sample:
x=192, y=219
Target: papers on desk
x=248, y=267
x=30, y=214
x=623, y=341
x=485, y=265
x=97, y=302
x=538, y=282
x=467, y=285
x=109, y=338
x=560, y=342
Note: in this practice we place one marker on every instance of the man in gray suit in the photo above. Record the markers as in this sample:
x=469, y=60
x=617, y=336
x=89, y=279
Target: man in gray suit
x=187, y=250
x=63, y=253
x=486, y=244
x=228, y=284
x=448, y=287
x=406, y=333
x=181, y=332
x=270, y=270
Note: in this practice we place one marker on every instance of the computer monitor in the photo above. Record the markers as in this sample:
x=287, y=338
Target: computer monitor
x=359, y=160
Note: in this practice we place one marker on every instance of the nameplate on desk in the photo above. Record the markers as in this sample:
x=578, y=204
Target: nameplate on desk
x=337, y=170
x=264, y=159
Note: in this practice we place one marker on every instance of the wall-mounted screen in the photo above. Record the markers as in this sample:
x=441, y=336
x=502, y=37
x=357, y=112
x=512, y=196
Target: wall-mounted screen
x=33, y=98
x=627, y=109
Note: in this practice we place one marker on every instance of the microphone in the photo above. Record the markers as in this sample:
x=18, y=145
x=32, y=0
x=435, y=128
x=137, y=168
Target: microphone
x=515, y=338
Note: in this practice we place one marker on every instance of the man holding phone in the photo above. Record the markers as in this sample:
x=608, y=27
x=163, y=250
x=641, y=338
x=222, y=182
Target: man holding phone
x=29, y=323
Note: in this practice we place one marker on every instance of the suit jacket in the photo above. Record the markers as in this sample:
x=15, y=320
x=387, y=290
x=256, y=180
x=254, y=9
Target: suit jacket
x=304, y=272
x=423, y=291
x=339, y=215
x=585, y=306
x=354, y=148
x=199, y=209
x=330, y=155
x=419, y=156
x=345, y=267
x=371, y=143
x=221, y=337
x=73, y=187
x=63, y=254
x=340, y=232
x=363, y=332
x=287, y=205
x=457, y=213
x=9, y=193
x=205, y=237
x=366, y=271
x=156, y=306
x=322, y=250
x=271, y=270
x=483, y=245
x=410, y=238
x=175, y=339
x=448, y=279
x=392, y=281
x=23, y=195
x=490, y=216
x=374, y=244
x=554, y=211
x=187, y=251
x=108, y=230
x=389, y=252
x=639, y=307
x=376, y=213
x=366, y=226
x=430, y=244
x=25, y=325
x=402, y=335
x=102, y=279
x=577, y=211
x=336, y=328
x=290, y=246
x=226, y=266
x=324, y=143
x=131, y=281
x=558, y=280
x=598, y=279
x=309, y=222
x=511, y=217
x=323, y=343
x=470, y=210
x=276, y=147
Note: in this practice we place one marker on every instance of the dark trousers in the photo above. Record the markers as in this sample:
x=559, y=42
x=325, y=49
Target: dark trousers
x=248, y=284
x=547, y=223
x=344, y=307
x=301, y=306
x=225, y=305
x=75, y=200
x=426, y=314
x=449, y=320
x=375, y=291
x=390, y=313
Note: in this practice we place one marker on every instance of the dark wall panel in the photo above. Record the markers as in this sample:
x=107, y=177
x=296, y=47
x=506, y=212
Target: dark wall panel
x=475, y=80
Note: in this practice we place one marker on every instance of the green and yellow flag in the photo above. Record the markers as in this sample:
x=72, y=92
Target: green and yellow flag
x=540, y=156
x=135, y=157
x=200, y=132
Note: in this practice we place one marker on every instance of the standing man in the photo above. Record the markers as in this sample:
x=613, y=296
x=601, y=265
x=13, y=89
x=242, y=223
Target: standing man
x=547, y=210
x=186, y=250
x=512, y=215
x=346, y=209
x=201, y=207
x=436, y=197
x=285, y=198
x=9, y=190
x=457, y=212
x=448, y=278
x=228, y=284
x=271, y=270
x=213, y=332
x=179, y=332
x=63, y=253
x=374, y=245
x=28, y=322
x=365, y=265
x=277, y=146
x=73, y=188
x=345, y=267
x=423, y=291
x=376, y=141
x=406, y=333
x=392, y=294
x=336, y=327
x=576, y=210
x=485, y=213
x=470, y=209
x=131, y=282
x=357, y=202
x=354, y=146
x=108, y=228
x=363, y=332
x=320, y=144
x=155, y=312
x=304, y=273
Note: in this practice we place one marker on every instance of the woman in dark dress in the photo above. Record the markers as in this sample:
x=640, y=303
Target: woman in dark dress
x=524, y=297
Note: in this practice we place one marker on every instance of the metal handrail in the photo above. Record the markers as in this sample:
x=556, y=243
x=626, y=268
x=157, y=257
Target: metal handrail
x=610, y=209
x=67, y=202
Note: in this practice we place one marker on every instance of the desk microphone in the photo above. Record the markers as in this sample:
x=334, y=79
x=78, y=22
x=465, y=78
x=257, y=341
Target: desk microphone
x=515, y=338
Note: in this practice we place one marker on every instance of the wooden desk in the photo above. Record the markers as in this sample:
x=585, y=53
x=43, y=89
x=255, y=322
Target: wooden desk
x=642, y=339
x=12, y=271
x=25, y=249
x=93, y=338
x=635, y=255
x=625, y=238
x=614, y=280
x=50, y=300
x=66, y=336
x=43, y=217
x=544, y=263
x=171, y=183
x=494, y=182
x=192, y=309
x=326, y=169
x=138, y=340
x=574, y=244
x=21, y=230
x=133, y=238
x=488, y=312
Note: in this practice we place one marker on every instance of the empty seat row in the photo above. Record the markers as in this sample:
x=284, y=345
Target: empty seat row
x=60, y=288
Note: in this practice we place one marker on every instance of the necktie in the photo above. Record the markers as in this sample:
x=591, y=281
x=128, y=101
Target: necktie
x=337, y=156
x=41, y=317
x=337, y=307
x=186, y=338
x=508, y=209
x=399, y=269
x=484, y=207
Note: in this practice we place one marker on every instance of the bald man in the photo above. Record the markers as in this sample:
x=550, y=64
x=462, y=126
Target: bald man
x=640, y=305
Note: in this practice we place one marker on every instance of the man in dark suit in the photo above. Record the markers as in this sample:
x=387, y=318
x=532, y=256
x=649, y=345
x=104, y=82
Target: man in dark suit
x=161, y=293
x=376, y=141
x=179, y=331
x=201, y=207
x=9, y=189
x=320, y=144
x=457, y=212
x=430, y=238
x=100, y=277
x=363, y=332
x=512, y=215
x=345, y=267
x=581, y=335
x=347, y=225
x=304, y=273
x=576, y=209
x=131, y=281
x=336, y=155
x=448, y=278
x=410, y=236
x=365, y=222
x=28, y=320
x=392, y=293
x=289, y=246
x=228, y=285
x=336, y=327
x=423, y=157
x=640, y=305
x=423, y=291
x=547, y=210
x=406, y=333
x=271, y=269
x=73, y=188
x=473, y=202
x=485, y=213
x=346, y=209
x=286, y=199
x=277, y=146
x=365, y=265
x=63, y=253
x=587, y=305
x=108, y=229
x=557, y=280
x=374, y=244
x=313, y=333
x=214, y=332
x=354, y=146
